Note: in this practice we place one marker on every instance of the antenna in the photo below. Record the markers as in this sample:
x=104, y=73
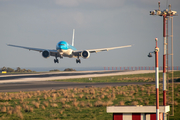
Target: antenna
x=73, y=37
x=159, y=5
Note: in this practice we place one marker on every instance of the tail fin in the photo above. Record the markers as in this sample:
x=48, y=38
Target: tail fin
x=73, y=37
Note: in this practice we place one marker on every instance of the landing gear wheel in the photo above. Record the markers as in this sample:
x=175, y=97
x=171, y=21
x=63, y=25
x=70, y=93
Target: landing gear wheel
x=56, y=61
x=78, y=61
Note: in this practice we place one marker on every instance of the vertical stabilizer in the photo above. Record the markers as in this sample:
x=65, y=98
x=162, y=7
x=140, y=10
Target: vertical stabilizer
x=73, y=37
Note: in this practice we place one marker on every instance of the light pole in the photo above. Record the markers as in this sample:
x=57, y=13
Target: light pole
x=165, y=13
x=157, y=76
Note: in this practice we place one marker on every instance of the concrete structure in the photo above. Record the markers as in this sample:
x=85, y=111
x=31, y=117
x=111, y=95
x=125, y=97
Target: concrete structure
x=136, y=112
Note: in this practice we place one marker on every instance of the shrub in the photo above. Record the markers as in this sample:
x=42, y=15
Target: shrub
x=82, y=104
x=31, y=109
x=20, y=115
x=54, y=105
x=46, y=103
x=102, y=96
x=63, y=100
x=134, y=103
x=45, y=97
x=175, y=103
x=89, y=104
x=43, y=107
x=121, y=103
x=66, y=106
x=3, y=109
x=61, y=111
x=75, y=103
x=98, y=103
x=81, y=95
x=109, y=103
x=36, y=104
x=26, y=109
x=146, y=102
x=9, y=112
x=69, y=69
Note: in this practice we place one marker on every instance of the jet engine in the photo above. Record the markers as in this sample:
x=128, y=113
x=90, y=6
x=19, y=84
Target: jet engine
x=85, y=54
x=45, y=53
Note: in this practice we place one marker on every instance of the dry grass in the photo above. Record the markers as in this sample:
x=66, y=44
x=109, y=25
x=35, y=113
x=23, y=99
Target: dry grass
x=98, y=103
x=36, y=104
x=134, y=103
x=26, y=109
x=61, y=111
x=9, y=112
x=175, y=103
x=102, y=96
x=20, y=115
x=3, y=109
x=66, y=106
x=43, y=107
x=67, y=100
x=82, y=104
x=46, y=103
x=89, y=104
x=54, y=105
x=146, y=102
x=121, y=103
x=81, y=95
x=45, y=97
x=31, y=109
x=63, y=100
x=75, y=103
x=109, y=103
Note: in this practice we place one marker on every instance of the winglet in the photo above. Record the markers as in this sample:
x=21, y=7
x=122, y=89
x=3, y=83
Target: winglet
x=73, y=37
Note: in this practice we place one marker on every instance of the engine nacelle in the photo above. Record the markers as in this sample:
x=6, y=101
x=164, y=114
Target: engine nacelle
x=85, y=54
x=45, y=53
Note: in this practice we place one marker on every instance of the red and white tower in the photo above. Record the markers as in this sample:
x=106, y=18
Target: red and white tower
x=157, y=79
x=166, y=14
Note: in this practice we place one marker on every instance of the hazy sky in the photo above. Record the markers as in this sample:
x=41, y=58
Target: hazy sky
x=98, y=24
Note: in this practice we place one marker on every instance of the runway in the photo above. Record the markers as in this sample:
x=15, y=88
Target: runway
x=15, y=78
x=40, y=81
x=49, y=85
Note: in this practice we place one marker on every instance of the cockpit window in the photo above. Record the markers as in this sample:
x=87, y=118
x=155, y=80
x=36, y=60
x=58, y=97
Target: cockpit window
x=61, y=44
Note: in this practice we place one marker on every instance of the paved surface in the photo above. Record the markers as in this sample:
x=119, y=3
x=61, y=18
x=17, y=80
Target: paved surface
x=48, y=85
x=64, y=75
x=33, y=82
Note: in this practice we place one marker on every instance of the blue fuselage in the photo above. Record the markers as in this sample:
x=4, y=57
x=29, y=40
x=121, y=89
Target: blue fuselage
x=62, y=45
x=65, y=49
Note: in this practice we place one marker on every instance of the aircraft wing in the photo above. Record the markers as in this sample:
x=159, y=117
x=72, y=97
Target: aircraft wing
x=101, y=49
x=34, y=49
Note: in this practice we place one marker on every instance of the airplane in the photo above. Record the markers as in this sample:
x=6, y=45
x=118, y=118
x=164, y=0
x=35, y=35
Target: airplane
x=63, y=49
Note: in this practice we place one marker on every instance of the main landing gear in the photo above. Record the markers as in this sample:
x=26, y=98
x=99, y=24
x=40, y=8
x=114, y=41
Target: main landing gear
x=56, y=60
x=78, y=60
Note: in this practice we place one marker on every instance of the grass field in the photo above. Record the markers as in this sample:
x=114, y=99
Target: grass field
x=80, y=103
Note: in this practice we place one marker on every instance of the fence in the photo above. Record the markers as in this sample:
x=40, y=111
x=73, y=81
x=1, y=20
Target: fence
x=140, y=68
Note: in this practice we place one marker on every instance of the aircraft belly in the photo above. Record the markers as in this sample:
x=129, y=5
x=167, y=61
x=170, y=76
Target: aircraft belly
x=67, y=53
